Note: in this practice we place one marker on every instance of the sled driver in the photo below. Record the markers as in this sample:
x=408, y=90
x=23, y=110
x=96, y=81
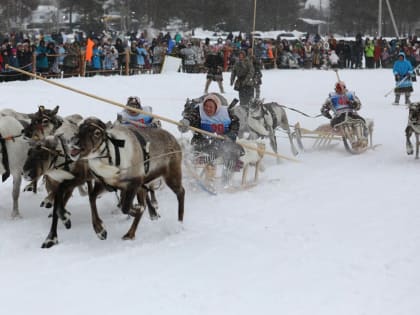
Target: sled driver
x=210, y=115
x=129, y=117
x=344, y=104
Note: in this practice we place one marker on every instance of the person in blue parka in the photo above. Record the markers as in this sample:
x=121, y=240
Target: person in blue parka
x=403, y=72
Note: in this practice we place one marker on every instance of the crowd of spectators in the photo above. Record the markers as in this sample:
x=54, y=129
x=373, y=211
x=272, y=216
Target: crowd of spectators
x=57, y=54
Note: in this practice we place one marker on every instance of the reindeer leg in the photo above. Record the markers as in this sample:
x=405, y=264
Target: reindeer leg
x=94, y=192
x=151, y=202
x=131, y=192
x=17, y=180
x=273, y=143
x=174, y=182
x=49, y=200
x=257, y=171
x=292, y=145
x=51, y=239
x=417, y=145
x=244, y=174
x=408, y=145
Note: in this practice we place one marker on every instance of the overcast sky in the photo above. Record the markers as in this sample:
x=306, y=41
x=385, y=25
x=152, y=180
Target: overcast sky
x=324, y=3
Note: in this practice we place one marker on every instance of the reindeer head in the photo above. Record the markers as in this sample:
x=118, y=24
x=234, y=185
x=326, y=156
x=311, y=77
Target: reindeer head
x=40, y=157
x=189, y=106
x=91, y=135
x=43, y=123
x=414, y=113
x=255, y=108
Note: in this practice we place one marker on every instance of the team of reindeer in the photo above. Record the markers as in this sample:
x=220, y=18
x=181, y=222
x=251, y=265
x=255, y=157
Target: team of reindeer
x=72, y=152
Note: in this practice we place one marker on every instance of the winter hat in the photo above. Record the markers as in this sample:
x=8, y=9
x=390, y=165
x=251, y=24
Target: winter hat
x=134, y=101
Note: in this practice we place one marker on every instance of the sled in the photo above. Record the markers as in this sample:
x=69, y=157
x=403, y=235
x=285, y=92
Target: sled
x=196, y=170
x=327, y=137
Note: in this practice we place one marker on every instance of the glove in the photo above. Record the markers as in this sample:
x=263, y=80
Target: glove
x=184, y=125
x=353, y=104
x=155, y=124
x=230, y=136
x=397, y=77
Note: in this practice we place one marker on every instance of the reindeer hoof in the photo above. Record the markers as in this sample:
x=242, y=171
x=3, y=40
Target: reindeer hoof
x=128, y=237
x=410, y=151
x=65, y=217
x=155, y=217
x=46, y=204
x=102, y=235
x=16, y=215
x=48, y=243
x=67, y=224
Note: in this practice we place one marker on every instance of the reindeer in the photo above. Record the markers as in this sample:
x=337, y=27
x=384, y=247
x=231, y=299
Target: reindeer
x=49, y=156
x=23, y=118
x=261, y=120
x=13, y=150
x=127, y=158
x=251, y=157
x=43, y=123
x=413, y=126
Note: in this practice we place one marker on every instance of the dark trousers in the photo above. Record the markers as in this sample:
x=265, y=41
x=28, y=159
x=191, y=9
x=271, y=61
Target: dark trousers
x=245, y=95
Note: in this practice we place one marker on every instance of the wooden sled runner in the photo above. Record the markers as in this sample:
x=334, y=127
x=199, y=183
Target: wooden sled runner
x=212, y=179
x=327, y=137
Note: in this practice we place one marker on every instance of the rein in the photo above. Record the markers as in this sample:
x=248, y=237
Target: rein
x=300, y=112
x=56, y=154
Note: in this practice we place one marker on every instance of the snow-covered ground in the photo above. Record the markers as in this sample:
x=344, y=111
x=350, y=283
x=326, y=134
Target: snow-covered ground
x=332, y=234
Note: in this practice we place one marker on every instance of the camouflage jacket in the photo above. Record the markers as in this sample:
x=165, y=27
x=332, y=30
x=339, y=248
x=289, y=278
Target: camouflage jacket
x=244, y=72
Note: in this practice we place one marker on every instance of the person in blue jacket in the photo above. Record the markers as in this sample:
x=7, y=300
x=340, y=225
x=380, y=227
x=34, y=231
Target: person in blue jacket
x=343, y=103
x=129, y=117
x=403, y=72
x=41, y=57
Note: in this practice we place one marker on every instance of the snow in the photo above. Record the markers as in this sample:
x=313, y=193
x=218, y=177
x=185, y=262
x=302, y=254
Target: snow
x=332, y=234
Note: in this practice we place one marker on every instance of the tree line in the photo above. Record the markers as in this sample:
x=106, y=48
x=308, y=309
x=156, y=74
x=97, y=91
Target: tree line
x=342, y=16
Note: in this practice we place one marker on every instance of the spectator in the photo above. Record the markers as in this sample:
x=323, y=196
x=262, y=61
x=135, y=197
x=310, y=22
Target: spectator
x=41, y=57
x=243, y=72
x=214, y=65
x=403, y=71
x=369, y=53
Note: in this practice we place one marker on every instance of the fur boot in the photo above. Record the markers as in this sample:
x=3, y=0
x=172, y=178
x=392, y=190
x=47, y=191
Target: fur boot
x=397, y=99
x=407, y=98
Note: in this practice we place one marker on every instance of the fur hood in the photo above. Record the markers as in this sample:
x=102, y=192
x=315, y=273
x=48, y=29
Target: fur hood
x=215, y=99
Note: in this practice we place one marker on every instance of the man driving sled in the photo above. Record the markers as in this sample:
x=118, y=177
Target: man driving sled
x=129, y=117
x=210, y=115
x=344, y=104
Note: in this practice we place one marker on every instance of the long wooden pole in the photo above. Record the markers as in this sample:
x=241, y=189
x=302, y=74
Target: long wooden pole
x=138, y=110
x=253, y=27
